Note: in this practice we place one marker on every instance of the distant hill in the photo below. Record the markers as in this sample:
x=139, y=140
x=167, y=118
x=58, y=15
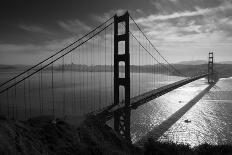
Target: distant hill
x=13, y=68
x=195, y=62
x=201, y=62
x=225, y=62
x=6, y=67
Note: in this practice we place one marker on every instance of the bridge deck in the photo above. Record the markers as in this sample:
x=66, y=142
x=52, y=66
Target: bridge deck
x=107, y=113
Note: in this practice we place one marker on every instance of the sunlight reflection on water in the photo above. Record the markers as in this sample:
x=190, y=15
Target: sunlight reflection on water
x=210, y=119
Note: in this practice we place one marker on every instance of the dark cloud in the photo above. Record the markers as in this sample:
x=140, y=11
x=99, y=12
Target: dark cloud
x=185, y=33
x=47, y=14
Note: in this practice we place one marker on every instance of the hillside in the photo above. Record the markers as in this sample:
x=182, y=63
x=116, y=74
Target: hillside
x=46, y=135
x=196, y=62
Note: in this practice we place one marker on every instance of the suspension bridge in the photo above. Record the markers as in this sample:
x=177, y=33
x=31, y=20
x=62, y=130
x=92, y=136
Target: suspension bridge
x=108, y=72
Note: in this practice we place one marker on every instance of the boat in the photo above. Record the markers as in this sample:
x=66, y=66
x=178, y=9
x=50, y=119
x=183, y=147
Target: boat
x=187, y=121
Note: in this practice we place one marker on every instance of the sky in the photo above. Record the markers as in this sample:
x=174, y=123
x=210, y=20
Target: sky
x=182, y=30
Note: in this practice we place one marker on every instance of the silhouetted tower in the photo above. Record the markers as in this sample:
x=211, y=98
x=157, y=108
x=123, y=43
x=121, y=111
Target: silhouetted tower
x=210, y=69
x=122, y=117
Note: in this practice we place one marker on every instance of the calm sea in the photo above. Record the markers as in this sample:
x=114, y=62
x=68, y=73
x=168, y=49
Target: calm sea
x=166, y=118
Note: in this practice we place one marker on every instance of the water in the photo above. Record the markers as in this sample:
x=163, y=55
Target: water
x=211, y=117
x=75, y=93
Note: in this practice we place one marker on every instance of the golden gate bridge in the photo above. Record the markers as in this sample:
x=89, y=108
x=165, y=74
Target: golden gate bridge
x=101, y=74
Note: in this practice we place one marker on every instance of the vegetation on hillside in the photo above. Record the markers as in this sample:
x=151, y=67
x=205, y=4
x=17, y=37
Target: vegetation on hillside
x=47, y=135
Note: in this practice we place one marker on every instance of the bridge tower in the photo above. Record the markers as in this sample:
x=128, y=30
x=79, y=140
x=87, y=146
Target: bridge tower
x=211, y=68
x=122, y=117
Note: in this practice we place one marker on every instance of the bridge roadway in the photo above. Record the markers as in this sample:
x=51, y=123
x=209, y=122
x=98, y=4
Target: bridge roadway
x=107, y=113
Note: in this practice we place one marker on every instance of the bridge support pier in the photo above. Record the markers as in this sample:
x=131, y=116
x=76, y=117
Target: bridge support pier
x=122, y=117
x=211, y=78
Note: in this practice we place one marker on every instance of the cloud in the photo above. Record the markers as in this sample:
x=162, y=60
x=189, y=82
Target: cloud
x=198, y=11
x=31, y=53
x=14, y=48
x=140, y=11
x=33, y=28
x=194, y=31
x=105, y=16
x=31, y=49
x=189, y=25
x=174, y=1
x=152, y=18
x=74, y=26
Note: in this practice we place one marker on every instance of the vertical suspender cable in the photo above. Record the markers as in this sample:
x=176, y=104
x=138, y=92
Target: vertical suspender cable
x=82, y=83
x=105, y=73
x=99, y=51
x=29, y=95
x=91, y=71
x=71, y=79
x=63, y=86
x=53, y=102
x=41, y=78
x=16, y=105
x=8, y=103
x=111, y=66
x=74, y=81
x=153, y=65
x=80, y=86
x=139, y=69
x=79, y=76
x=25, y=101
x=87, y=76
x=94, y=73
x=131, y=61
x=39, y=91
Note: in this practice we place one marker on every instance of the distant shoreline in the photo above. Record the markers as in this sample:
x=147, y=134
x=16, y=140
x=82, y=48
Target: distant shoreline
x=224, y=70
